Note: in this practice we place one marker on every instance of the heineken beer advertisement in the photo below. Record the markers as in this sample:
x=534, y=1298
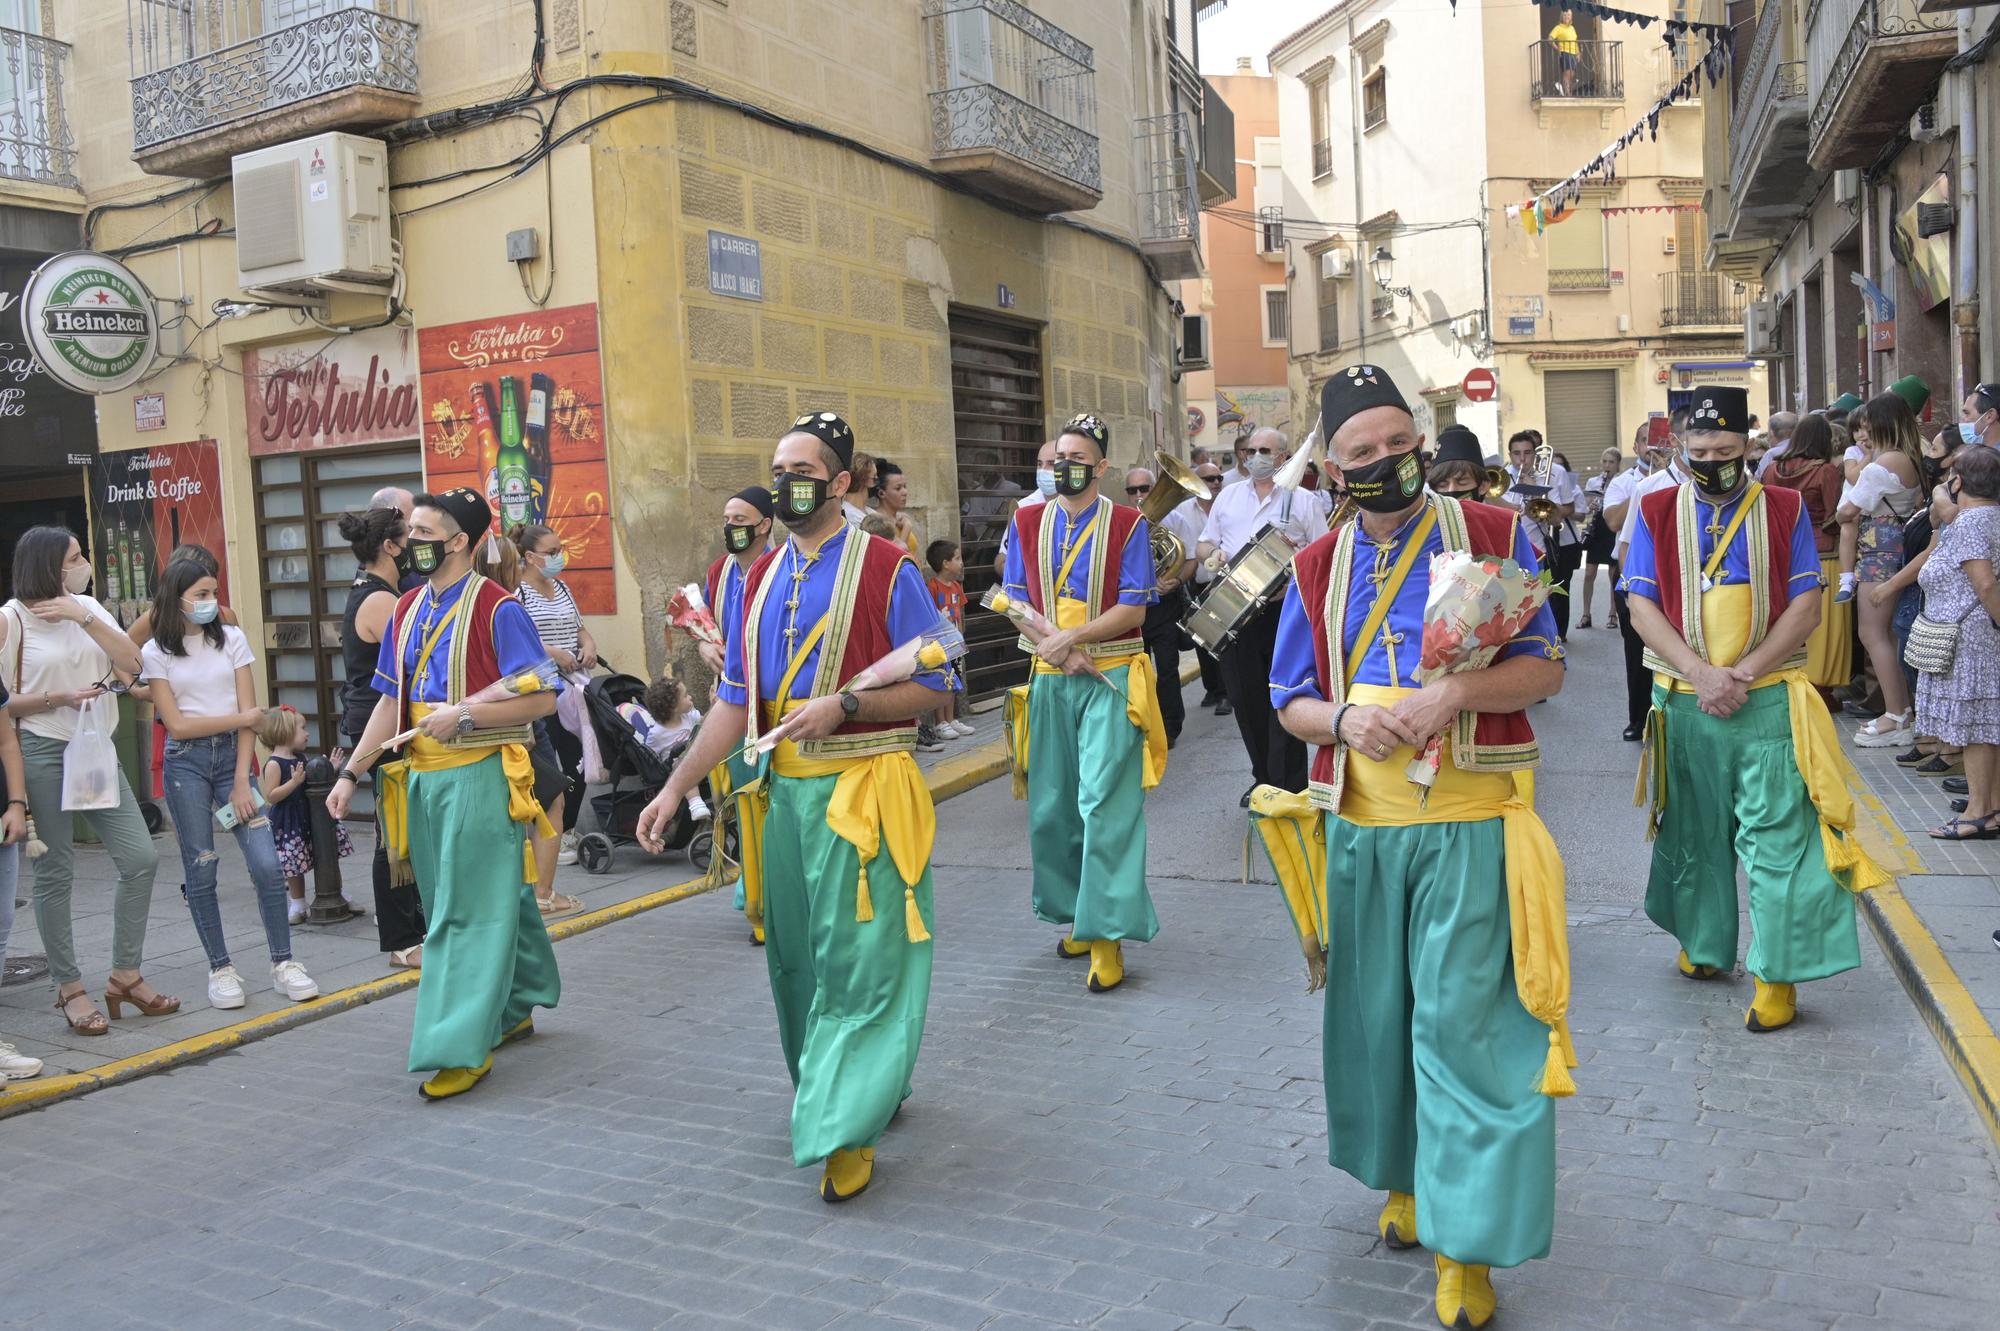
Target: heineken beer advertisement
x=514, y=407
x=143, y=503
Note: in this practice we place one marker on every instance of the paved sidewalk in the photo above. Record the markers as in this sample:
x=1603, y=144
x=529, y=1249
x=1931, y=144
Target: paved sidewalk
x=1147, y=1160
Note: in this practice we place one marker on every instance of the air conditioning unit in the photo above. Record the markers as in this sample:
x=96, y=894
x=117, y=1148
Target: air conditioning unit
x=1760, y=328
x=1336, y=265
x=1933, y=119
x=1846, y=186
x=312, y=213
x=1194, y=342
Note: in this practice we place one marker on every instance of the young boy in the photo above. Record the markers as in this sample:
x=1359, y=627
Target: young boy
x=947, y=584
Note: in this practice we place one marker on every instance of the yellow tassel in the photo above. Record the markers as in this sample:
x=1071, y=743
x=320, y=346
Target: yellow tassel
x=1556, y=1081
x=864, y=908
x=528, y=874
x=1561, y=1028
x=913, y=919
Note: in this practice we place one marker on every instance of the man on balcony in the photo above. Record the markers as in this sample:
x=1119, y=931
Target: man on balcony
x=1563, y=37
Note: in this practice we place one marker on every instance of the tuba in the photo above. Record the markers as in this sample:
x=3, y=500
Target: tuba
x=1174, y=486
x=1497, y=484
x=1535, y=484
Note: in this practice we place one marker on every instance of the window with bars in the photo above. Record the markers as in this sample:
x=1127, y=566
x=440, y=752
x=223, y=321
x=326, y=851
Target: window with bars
x=1329, y=312
x=1374, y=91
x=1578, y=260
x=1277, y=317
x=1322, y=134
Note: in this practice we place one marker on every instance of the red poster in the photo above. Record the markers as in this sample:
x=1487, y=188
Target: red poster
x=144, y=502
x=514, y=407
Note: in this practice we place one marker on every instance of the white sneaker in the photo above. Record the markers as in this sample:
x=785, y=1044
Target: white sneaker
x=965, y=729
x=16, y=1066
x=225, y=988
x=1887, y=731
x=566, y=853
x=295, y=911
x=290, y=979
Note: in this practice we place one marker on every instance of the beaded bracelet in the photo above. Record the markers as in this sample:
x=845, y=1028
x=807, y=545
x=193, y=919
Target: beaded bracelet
x=1339, y=714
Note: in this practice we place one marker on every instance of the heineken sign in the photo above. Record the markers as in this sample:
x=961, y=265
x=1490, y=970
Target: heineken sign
x=90, y=322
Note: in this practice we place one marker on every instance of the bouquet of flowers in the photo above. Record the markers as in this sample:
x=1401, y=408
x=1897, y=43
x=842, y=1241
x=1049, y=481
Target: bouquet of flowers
x=1474, y=608
x=1031, y=623
x=687, y=610
x=933, y=649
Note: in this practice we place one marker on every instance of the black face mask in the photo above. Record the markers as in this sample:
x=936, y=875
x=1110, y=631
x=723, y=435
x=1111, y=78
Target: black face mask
x=426, y=557
x=404, y=564
x=1073, y=478
x=1717, y=479
x=1469, y=493
x=798, y=497
x=737, y=537
x=1386, y=485
x=1934, y=472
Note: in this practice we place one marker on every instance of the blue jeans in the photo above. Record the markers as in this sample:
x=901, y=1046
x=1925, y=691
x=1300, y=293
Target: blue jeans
x=199, y=776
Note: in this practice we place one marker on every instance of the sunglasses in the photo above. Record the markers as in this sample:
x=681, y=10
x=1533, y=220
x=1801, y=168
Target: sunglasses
x=1138, y=489
x=1215, y=482
x=112, y=684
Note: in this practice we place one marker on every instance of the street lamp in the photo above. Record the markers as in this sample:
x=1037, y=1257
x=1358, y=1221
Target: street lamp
x=1383, y=266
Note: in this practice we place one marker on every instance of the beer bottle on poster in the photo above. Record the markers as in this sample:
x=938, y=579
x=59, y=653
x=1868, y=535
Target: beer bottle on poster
x=489, y=443
x=126, y=583
x=541, y=388
x=113, y=588
x=516, y=489
x=142, y=579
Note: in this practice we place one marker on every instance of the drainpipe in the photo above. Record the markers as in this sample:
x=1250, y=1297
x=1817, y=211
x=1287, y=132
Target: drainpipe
x=1965, y=308
x=1364, y=272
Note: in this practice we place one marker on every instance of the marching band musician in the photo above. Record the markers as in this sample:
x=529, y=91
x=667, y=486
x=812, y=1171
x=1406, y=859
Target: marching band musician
x=1239, y=515
x=1164, y=616
x=1431, y=1053
x=1086, y=564
x=1458, y=471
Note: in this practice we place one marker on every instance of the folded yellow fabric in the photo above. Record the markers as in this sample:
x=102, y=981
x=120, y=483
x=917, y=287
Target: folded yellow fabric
x=1294, y=836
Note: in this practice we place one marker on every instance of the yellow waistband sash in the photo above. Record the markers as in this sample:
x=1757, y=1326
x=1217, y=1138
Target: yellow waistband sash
x=878, y=800
x=424, y=754
x=1142, y=703
x=1830, y=781
x=1379, y=795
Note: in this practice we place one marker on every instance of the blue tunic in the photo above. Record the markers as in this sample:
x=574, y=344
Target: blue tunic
x=1294, y=669
x=516, y=645
x=1639, y=574
x=1135, y=565
x=911, y=611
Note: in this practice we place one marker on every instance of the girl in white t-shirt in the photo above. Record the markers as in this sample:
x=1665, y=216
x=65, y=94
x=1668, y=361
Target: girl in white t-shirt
x=199, y=670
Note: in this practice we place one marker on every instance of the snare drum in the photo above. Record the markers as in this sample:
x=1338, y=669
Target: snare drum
x=1255, y=579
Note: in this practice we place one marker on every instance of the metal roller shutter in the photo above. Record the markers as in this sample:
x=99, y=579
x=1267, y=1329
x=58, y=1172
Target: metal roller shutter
x=1581, y=414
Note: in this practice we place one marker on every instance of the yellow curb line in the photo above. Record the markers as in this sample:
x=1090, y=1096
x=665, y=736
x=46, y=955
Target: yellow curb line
x=1961, y=1030
x=954, y=776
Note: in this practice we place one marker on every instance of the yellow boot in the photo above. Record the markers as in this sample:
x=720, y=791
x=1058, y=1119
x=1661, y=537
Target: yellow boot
x=1107, y=966
x=520, y=1032
x=1069, y=949
x=448, y=1082
x=1694, y=972
x=848, y=1172
x=1465, y=1298
x=1398, y=1223
x=756, y=935
x=1774, y=1007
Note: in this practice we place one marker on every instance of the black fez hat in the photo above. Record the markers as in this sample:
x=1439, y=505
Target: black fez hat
x=1091, y=428
x=759, y=498
x=830, y=430
x=1458, y=444
x=1719, y=408
x=468, y=508
x=1352, y=391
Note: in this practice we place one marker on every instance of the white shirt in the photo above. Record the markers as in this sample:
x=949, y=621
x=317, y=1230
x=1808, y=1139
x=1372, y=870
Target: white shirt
x=1237, y=515
x=853, y=515
x=1029, y=500
x=1665, y=479
x=1185, y=521
x=203, y=681
x=1233, y=476
x=1563, y=489
x=1777, y=451
x=54, y=658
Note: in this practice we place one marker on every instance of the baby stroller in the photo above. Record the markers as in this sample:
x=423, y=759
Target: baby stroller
x=634, y=775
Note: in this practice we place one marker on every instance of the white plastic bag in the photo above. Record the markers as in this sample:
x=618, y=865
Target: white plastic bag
x=90, y=763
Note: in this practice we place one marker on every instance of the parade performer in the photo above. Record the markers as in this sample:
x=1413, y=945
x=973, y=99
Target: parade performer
x=746, y=537
x=1444, y=954
x=1095, y=739
x=463, y=791
x=1723, y=580
x=841, y=879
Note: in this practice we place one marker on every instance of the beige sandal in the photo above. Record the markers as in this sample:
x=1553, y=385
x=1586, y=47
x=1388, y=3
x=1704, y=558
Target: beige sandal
x=558, y=903
x=410, y=958
x=91, y=1023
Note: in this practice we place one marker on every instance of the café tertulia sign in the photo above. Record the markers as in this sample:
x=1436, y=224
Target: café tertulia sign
x=90, y=322
x=358, y=389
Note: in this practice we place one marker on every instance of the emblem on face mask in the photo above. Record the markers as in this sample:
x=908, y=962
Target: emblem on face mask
x=1410, y=474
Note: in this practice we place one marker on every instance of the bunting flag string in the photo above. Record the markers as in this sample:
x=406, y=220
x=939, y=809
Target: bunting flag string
x=1617, y=209
x=1675, y=28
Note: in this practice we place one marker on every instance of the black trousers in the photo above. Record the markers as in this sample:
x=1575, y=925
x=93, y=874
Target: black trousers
x=569, y=752
x=1163, y=644
x=1564, y=561
x=399, y=911
x=1276, y=757
x=1211, y=676
x=1638, y=679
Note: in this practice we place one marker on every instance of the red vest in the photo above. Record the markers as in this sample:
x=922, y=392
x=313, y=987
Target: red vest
x=1028, y=540
x=868, y=630
x=1489, y=531
x=714, y=586
x=482, y=665
x=1781, y=510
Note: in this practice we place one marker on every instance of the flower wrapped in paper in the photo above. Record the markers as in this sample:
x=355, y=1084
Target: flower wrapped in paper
x=936, y=648
x=1476, y=605
x=1031, y=623
x=687, y=610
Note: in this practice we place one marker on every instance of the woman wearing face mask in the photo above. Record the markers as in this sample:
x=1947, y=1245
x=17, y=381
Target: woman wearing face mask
x=199, y=670
x=141, y=631
x=571, y=647
x=1961, y=703
x=62, y=650
x=1888, y=492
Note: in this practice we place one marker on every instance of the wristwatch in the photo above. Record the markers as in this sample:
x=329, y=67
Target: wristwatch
x=850, y=706
x=464, y=717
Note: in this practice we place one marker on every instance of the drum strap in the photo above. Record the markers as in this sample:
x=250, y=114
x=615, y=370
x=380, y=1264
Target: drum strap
x=1390, y=587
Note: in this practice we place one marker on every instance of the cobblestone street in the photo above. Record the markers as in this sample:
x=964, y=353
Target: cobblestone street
x=1145, y=1160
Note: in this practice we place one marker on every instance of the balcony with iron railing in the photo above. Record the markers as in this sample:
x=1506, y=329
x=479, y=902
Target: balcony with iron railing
x=1579, y=279
x=213, y=78
x=1591, y=75
x=1770, y=180
x=1013, y=103
x=1869, y=64
x=1702, y=300
x=1169, y=207
x=35, y=142
x=1322, y=158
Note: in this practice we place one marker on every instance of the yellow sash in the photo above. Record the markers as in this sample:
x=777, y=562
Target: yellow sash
x=427, y=755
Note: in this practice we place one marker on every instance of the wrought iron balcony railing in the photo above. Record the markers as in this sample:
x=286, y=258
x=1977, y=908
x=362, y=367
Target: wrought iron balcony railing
x=1169, y=208
x=1702, y=300
x=1579, y=279
x=1594, y=71
x=1013, y=102
x=202, y=64
x=1840, y=36
x=1322, y=158
x=1772, y=90
x=35, y=142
